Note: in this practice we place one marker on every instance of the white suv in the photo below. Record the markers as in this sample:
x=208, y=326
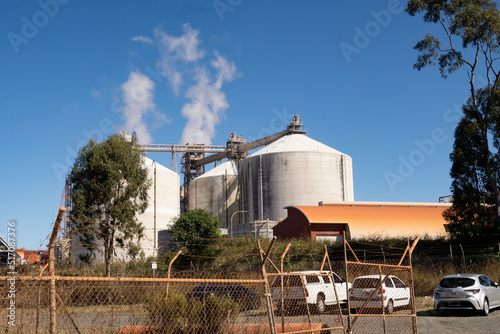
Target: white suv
x=366, y=293
x=309, y=287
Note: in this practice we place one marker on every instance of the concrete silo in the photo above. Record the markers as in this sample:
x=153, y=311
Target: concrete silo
x=294, y=170
x=164, y=204
x=216, y=192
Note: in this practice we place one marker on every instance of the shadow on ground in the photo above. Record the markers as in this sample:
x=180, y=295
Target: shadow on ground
x=452, y=313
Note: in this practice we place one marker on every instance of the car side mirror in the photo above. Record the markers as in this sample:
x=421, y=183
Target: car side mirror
x=495, y=284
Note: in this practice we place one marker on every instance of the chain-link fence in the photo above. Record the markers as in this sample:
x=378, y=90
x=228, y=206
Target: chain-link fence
x=381, y=295
x=291, y=288
x=147, y=305
x=306, y=295
x=139, y=305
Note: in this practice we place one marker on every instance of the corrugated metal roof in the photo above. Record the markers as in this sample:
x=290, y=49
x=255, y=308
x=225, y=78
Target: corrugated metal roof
x=384, y=219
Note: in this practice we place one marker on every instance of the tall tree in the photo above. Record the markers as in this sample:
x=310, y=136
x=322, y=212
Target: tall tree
x=472, y=216
x=109, y=187
x=472, y=34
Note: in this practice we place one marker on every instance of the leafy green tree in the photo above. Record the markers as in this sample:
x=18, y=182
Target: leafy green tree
x=471, y=217
x=197, y=229
x=472, y=33
x=109, y=187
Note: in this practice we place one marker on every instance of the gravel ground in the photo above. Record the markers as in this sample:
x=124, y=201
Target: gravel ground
x=455, y=322
x=458, y=322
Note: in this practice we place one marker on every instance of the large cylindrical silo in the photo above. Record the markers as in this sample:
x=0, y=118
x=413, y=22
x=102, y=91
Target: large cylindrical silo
x=216, y=192
x=294, y=170
x=164, y=204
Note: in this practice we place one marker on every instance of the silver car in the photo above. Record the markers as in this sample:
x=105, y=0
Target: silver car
x=466, y=292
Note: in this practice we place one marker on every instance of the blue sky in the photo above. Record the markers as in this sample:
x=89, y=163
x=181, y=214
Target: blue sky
x=198, y=70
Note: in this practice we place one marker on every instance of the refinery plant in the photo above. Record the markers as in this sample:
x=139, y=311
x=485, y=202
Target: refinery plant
x=245, y=190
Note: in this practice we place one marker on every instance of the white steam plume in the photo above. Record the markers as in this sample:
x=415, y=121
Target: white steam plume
x=175, y=51
x=182, y=56
x=207, y=102
x=138, y=95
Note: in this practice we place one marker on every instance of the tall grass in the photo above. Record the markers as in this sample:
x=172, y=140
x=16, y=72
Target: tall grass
x=426, y=278
x=432, y=259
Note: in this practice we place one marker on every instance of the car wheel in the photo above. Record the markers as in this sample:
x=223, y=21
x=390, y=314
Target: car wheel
x=486, y=308
x=390, y=307
x=320, y=304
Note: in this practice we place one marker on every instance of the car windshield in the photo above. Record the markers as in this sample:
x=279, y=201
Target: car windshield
x=287, y=281
x=366, y=283
x=456, y=282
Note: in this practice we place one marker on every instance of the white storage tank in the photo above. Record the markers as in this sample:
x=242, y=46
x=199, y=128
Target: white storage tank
x=216, y=192
x=165, y=183
x=294, y=170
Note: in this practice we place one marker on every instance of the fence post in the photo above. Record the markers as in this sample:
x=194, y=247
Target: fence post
x=269, y=300
x=412, y=286
x=463, y=257
x=282, y=290
x=335, y=286
x=52, y=242
x=349, y=329
x=170, y=267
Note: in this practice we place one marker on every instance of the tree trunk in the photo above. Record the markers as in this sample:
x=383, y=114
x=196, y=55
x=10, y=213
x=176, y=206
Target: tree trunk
x=107, y=257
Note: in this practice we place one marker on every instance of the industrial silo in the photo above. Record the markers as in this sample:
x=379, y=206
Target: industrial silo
x=164, y=204
x=294, y=170
x=216, y=192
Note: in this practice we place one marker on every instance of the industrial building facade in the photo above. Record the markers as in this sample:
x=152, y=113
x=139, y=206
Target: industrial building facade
x=329, y=221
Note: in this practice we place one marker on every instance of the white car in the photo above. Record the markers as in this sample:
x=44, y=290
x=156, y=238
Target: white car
x=466, y=292
x=378, y=292
x=308, y=287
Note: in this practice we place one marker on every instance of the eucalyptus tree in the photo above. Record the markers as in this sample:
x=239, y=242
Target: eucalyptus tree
x=470, y=43
x=109, y=188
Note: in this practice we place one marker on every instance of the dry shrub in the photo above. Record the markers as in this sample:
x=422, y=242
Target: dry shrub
x=178, y=314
